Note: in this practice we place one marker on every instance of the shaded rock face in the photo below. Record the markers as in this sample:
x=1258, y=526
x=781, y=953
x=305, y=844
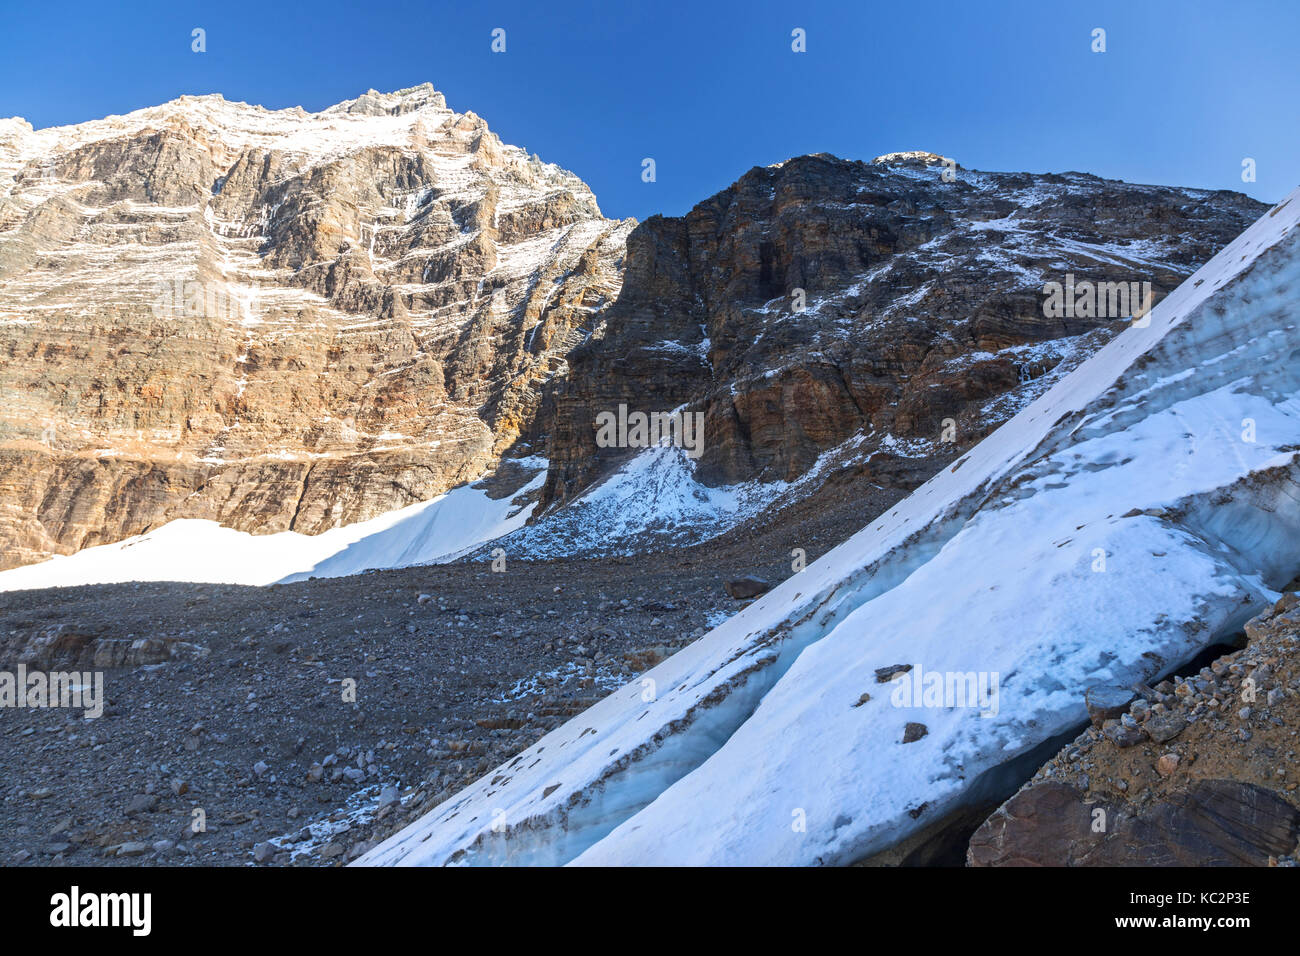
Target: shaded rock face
x=922, y=300
x=743, y=589
x=276, y=319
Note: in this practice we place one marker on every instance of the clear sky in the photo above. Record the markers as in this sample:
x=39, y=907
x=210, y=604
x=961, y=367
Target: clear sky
x=1184, y=92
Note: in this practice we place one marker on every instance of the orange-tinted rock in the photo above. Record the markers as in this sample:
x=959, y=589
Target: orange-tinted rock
x=276, y=320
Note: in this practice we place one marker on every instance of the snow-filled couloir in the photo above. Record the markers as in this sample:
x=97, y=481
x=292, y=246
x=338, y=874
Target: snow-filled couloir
x=1137, y=512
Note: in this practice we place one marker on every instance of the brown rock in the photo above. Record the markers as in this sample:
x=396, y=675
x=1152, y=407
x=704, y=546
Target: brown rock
x=909, y=324
x=1043, y=825
x=743, y=589
x=886, y=674
x=1106, y=702
x=1163, y=728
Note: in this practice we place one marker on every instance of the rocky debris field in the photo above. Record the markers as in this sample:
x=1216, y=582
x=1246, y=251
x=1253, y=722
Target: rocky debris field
x=226, y=705
x=1199, y=770
x=455, y=668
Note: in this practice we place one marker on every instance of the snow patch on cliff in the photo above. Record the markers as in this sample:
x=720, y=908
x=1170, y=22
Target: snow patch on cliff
x=193, y=550
x=655, y=500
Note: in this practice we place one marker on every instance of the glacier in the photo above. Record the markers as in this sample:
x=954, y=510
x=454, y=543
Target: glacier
x=1136, y=513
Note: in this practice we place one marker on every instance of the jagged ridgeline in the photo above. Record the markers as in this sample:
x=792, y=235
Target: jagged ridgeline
x=281, y=320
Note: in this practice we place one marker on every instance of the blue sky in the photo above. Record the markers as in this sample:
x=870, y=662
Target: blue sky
x=1184, y=92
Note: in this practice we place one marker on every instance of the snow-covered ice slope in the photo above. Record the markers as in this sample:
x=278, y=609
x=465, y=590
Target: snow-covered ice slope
x=1140, y=510
x=193, y=550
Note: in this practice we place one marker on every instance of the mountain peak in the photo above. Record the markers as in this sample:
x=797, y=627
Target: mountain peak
x=397, y=103
x=911, y=158
x=289, y=230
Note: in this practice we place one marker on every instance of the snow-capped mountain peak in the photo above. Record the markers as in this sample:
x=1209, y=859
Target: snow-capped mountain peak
x=395, y=103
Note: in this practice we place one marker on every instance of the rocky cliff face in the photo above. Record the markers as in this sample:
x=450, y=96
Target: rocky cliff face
x=275, y=319
x=821, y=298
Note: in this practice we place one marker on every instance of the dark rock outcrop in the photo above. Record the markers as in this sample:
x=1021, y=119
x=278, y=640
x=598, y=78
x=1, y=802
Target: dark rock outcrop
x=65, y=647
x=1210, y=823
x=743, y=589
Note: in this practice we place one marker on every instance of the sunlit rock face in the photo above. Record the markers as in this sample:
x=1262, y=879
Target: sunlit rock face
x=276, y=319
